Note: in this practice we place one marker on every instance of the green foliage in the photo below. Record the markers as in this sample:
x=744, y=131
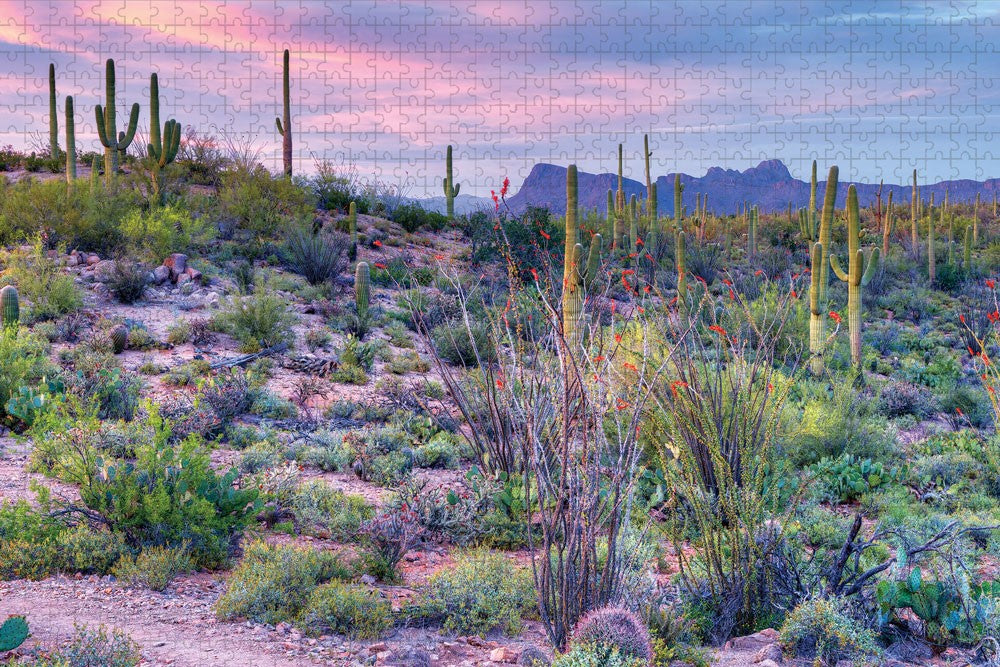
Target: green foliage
x=935, y=602
x=258, y=320
x=96, y=648
x=596, y=656
x=42, y=282
x=348, y=609
x=259, y=203
x=412, y=217
x=481, y=593
x=459, y=345
x=319, y=257
x=23, y=357
x=847, y=478
x=162, y=230
x=154, y=567
x=822, y=629
x=323, y=511
x=272, y=584
x=13, y=632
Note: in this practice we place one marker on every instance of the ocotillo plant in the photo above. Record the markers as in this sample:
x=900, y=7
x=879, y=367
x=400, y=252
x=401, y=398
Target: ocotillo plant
x=53, y=119
x=10, y=310
x=285, y=127
x=163, y=148
x=451, y=188
x=576, y=277
x=858, y=274
x=115, y=143
x=650, y=186
x=70, y=143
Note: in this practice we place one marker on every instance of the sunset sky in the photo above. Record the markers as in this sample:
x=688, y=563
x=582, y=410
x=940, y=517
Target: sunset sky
x=878, y=88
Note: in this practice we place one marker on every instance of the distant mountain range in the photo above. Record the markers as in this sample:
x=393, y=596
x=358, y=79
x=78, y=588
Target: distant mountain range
x=769, y=185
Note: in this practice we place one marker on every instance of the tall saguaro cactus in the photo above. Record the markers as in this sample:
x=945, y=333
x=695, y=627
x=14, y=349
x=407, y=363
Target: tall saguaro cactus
x=70, y=143
x=53, y=118
x=914, y=234
x=975, y=220
x=285, y=127
x=821, y=276
x=162, y=148
x=808, y=223
x=115, y=143
x=451, y=188
x=752, y=232
x=887, y=226
x=858, y=273
x=931, y=254
x=576, y=276
x=618, y=231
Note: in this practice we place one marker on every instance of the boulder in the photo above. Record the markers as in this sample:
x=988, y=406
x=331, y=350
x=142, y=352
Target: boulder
x=770, y=652
x=408, y=657
x=160, y=275
x=104, y=270
x=532, y=656
x=194, y=273
x=177, y=263
x=504, y=654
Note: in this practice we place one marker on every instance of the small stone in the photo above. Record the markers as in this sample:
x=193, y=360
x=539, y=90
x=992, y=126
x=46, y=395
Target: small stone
x=767, y=663
x=183, y=279
x=770, y=652
x=504, y=654
x=194, y=273
x=72, y=260
x=104, y=269
x=413, y=657
x=92, y=259
x=161, y=274
x=532, y=656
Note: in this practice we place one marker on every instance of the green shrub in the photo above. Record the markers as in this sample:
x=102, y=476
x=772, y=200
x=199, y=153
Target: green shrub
x=162, y=230
x=322, y=510
x=615, y=628
x=596, y=656
x=24, y=360
x=258, y=320
x=482, y=592
x=327, y=451
x=412, y=217
x=348, y=609
x=822, y=629
x=272, y=584
x=49, y=291
x=154, y=567
x=96, y=648
x=318, y=257
x=459, y=345
x=260, y=203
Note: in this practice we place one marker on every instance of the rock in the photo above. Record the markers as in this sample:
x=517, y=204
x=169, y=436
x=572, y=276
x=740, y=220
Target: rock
x=411, y=657
x=92, y=259
x=845, y=663
x=104, y=269
x=183, y=279
x=160, y=275
x=532, y=656
x=368, y=579
x=770, y=652
x=755, y=641
x=72, y=260
x=177, y=263
x=504, y=654
x=767, y=663
x=52, y=254
x=195, y=274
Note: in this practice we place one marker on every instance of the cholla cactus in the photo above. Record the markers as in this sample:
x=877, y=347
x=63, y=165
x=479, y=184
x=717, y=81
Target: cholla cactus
x=618, y=628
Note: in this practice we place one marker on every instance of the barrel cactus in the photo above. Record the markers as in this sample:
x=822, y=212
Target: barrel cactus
x=614, y=627
x=119, y=338
x=10, y=310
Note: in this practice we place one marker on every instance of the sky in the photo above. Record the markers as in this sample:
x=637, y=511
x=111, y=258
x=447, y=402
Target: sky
x=381, y=88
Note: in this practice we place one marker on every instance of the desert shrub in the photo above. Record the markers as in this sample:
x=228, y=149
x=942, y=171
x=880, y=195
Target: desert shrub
x=614, y=627
x=154, y=567
x=24, y=360
x=322, y=510
x=459, y=345
x=823, y=630
x=258, y=320
x=200, y=158
x=595, y=656
x=229, y=394
x=348, y=609
x=326, y=450
x=112, y=391
x=412, y=217
x=272, y=584
x=949, y=277
x=897, y=399
x=442, y=451
x=260, y=203
x=96, y=648
x=967, y=403
x=847, y=477
x=335, y=188
x=128, y=281
x=34, y=545
x=527, y=237
x=319, y=257
x=179, y=332
x=162, y=230
x=49, y=291
x=481, y=593
x=387, y=538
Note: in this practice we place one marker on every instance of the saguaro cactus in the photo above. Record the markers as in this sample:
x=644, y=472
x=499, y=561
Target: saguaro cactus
x=451, y=188
x=115, y=143
x=70, y=143
x=285, y=128
x=53, y=118
x=362, y=289
x=576, y=277
x=95, y=170
x=967, y=256
x=975, y=220
x=162, y=148
x=858, y=274
x=821, y=277
x=352, y=228
x=678, y=197
x=887, y=225
x=10, y=310
x=931, y=255
x=619, y=228
x=914, y=234
x=752, y=232
x=679, y=251
x=651, y=209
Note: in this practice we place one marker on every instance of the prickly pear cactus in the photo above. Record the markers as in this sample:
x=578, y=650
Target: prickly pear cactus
x=10, y=311
x=13, y=632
